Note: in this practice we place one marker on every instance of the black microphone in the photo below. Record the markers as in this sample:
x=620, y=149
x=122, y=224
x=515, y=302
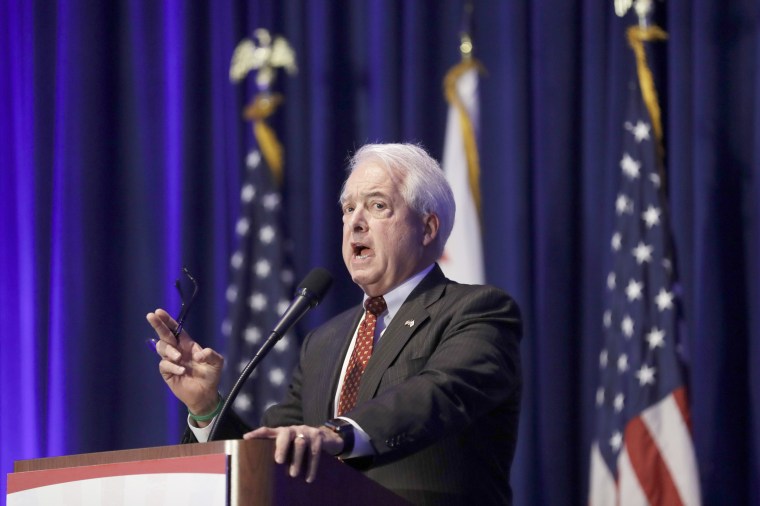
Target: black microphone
x=310, y=293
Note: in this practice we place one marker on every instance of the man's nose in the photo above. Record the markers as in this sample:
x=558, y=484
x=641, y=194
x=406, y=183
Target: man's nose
x=358, y=219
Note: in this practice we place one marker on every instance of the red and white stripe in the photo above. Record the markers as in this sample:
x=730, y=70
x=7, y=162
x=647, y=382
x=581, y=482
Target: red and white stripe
x=657, y=464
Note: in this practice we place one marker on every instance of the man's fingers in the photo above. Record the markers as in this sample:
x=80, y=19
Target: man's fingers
x=167, y=351
x=166, y=318
x=281, y=446
x=161, y=326
x=168, y=368
x=300, y=444
x=209, y=357
x=316, y=451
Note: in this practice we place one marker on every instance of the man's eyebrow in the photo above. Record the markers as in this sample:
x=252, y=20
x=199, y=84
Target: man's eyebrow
x=376, y=193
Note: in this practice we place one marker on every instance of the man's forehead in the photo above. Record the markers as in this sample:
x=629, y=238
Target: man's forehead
x=371, y=179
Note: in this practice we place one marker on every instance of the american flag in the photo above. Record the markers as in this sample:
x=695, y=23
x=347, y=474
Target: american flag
x=261, y=289
x=642, y=451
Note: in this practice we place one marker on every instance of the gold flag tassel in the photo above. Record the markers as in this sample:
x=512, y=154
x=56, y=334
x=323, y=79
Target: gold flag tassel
x=468, y=131
x=264, y=105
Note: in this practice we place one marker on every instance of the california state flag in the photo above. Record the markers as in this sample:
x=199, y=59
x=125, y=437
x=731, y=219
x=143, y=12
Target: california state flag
x=462, y=259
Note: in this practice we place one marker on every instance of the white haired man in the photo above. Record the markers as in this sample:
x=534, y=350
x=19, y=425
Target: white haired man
x=419, y=388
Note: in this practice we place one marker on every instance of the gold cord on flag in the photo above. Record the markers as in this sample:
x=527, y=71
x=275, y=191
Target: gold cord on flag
x=263, y=106
x=637, y=35
x=468, y=131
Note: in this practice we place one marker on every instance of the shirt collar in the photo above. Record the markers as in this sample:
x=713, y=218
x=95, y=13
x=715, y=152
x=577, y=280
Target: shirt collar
x=396, y=297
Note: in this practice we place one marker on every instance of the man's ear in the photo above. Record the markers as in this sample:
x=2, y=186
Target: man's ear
x=431, y=224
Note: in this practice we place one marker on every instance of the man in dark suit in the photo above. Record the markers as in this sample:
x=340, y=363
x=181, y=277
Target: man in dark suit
x=420, y=390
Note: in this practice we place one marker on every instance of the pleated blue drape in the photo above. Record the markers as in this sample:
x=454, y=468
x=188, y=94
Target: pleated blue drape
x=122, y=146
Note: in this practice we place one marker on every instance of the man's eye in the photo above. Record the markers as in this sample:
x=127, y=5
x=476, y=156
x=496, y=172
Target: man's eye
x=348, y=209
x=379, y=205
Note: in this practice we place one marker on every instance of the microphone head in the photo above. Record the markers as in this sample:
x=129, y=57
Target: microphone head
x=315, y=285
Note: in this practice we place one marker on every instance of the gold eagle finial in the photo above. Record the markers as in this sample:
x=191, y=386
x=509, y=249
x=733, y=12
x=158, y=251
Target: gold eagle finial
x=642, y=7
x=265, y=54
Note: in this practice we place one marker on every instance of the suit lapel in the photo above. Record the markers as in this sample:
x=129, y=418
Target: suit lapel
x=413, y=310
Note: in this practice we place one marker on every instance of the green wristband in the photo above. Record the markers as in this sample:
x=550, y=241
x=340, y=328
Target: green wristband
x=210, y=416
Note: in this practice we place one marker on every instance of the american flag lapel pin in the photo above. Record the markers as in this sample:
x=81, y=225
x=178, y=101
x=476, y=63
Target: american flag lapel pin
x=409, y=323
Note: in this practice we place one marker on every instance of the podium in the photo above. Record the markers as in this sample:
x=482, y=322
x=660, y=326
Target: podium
x=234, y=472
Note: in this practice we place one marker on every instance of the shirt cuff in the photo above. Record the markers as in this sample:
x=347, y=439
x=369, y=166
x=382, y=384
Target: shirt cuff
x=201, y=433
x=362, y=445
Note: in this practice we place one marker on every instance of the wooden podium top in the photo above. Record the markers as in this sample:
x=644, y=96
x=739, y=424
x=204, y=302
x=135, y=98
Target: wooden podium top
x=254, y=476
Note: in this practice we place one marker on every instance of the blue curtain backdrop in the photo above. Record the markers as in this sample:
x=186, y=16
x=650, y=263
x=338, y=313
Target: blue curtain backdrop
x=122, y=148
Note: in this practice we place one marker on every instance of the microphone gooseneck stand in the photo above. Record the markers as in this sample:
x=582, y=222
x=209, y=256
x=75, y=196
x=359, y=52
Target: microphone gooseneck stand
x=314, y=288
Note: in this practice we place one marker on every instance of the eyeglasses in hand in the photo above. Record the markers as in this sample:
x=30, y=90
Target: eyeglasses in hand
x=186, y=304
x=184, y=309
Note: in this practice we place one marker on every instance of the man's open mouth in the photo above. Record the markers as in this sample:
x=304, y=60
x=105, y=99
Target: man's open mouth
x=361, y=251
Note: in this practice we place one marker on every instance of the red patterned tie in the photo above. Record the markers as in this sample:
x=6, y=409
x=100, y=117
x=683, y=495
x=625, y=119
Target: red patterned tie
x=360, y=356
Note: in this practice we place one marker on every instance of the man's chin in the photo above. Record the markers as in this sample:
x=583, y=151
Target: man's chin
x=363, y=278
x=359, y=276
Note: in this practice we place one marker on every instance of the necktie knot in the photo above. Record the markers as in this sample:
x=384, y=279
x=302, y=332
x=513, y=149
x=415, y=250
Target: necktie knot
x=376, y=305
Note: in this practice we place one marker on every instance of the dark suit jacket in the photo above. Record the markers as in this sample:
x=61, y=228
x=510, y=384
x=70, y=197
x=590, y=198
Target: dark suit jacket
x=440, y=396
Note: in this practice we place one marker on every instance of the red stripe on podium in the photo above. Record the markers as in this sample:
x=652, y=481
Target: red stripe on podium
x=199, y=464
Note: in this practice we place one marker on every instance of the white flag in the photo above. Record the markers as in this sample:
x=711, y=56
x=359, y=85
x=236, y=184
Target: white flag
x=462, y=259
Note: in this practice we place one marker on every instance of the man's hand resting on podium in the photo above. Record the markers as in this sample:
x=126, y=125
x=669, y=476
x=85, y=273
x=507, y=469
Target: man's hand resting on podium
x=192, y=373
x=300, y=446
